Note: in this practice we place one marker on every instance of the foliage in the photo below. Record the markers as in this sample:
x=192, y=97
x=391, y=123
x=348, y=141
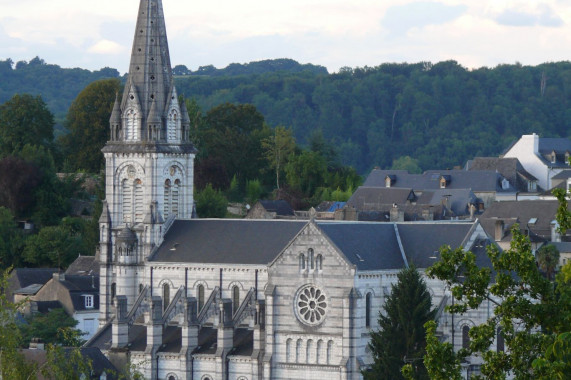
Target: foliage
x=211, y=203
x=407, y=163
x=253, y=191
x=548, y=259
x=54, y=327
x=54, y=246
x=88, y=124
x=24, y=119
x=18, y=182
x=401, y=335
x=10, y=240
x=306, y=171
x=530, y=312
x=277, y=149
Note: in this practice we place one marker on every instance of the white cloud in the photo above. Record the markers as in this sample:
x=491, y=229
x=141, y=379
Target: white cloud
x=106, y=47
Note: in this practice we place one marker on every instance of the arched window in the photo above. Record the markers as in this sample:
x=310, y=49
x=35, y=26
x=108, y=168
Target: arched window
x=127, y=201
x=302, y=261
x=298, y=351
x=500, y=341
x=319, y=262
x=309, y=351
x=200, y=297
x=172, y=126
x=167, y=198
x=320, y=351
x=368, y=305
x=329, y=352
x=132, y=132
x=175, y=196
x=465, y=336
x=311, y=263
x=138, y=201
x=289, y=357
x=113, y=290
x=235, y=299
x=166, y=296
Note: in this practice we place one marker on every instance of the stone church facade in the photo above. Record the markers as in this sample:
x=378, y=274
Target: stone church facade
x=184, y=298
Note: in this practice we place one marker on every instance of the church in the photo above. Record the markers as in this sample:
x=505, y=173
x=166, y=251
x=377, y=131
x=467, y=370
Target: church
x=204, y=299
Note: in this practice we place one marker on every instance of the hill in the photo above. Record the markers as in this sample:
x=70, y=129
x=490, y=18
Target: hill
x=440, y=114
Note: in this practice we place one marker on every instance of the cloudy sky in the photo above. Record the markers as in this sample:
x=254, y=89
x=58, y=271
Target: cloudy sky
x=332, y=33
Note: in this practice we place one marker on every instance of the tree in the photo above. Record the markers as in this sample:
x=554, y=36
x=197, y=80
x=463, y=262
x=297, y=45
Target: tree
x=401, y=335
x=11, y=242
x=407, y=163
x=211, y=203
x=548, y=259
x=88, y=125
x=18, y=182
x=24, y=119
x=54, y=327
x=277, y=149
x=532, y=314
x=305, y=172
x=54, y=246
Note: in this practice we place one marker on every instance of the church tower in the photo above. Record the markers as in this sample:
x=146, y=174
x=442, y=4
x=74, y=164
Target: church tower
x=149, y=163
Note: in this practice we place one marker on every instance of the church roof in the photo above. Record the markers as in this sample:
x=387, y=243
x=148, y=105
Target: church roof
x=367, y=245
x=221, y=241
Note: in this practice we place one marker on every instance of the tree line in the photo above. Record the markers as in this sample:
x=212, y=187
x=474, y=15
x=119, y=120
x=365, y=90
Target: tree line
x=439, y=114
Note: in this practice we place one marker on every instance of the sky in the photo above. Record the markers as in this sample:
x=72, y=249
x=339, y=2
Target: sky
x=331, y=33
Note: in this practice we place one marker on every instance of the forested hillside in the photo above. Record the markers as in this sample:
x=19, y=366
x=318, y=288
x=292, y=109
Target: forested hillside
x=439, y=114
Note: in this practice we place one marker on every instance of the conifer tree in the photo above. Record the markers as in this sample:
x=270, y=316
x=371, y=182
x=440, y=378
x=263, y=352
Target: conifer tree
x=401, y=335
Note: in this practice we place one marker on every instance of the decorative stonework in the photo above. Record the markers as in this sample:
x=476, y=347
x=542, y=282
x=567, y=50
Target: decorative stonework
x=310, y=305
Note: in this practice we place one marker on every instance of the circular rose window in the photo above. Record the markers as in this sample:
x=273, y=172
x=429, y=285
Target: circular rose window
x=311, y=305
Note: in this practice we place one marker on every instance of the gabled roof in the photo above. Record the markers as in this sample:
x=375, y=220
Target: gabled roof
x=563, y=175
x=558, y=144
x=509, y=167
x=84, y=265
x=477, y=180
x=280, y=207
x=371, y=198
x=458, y=199
x=226, y=241
x=24, y=277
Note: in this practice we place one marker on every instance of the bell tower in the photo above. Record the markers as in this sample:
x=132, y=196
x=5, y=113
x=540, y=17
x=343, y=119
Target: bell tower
x=149, y=163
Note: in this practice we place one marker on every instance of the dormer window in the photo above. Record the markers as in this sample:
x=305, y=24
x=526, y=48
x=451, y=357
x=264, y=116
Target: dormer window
x=442, y=183
x=553, y=157
x=505, y=184
x=567, y=158
x=387, y=182
x=88, y=301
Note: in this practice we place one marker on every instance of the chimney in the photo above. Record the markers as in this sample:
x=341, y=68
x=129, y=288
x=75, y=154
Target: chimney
x=396, y=214
x=472, y=210
x=36, y=344
x=555, y=235
x=427, y=214
x=499, y=230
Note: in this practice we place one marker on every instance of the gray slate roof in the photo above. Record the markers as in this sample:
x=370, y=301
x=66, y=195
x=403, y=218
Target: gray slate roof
x=226, y=241
x=477, y=180
x=280, y=207
x=24, y=277
x=84, y=265
x=371, y=198
x=367, y=245
x=510, y=168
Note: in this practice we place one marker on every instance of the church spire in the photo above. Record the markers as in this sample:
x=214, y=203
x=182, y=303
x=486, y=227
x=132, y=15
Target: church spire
x=150, y=72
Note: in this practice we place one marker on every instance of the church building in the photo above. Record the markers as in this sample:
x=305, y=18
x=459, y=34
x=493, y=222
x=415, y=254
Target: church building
x=204, y=299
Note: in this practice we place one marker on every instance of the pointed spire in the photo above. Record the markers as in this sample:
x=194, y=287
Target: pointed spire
x=116, y=114
x=184, y=111
x=154, y=117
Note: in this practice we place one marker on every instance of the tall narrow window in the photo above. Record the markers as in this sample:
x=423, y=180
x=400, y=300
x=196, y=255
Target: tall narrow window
x=175, y=196
x=200, y=297
x=289, y=358
x=138, y=201
x=319, y=263
x=309, y=351
x=172, y=126
x=329, y=352
x=127, y=201
x=113, y=290
x=311, y=263
x=302, y=261
x=320, y=353
x=465, y=337
x=167, y=198
x=368, y=310
x=235, y=299
x=166, y=296
x=132, y=132
x=500, y=341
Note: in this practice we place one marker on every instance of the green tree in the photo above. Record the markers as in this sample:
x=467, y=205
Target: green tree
x=401, y=335
x=24, y=119
x=18, y=182
x=54, y=246
x=11, y=241
x=305, y=172
x=88, y=124
x=54, y=327
x=407, y=163
x=530, y=312
x=253, y=191
x=548, y=259
x=277, y=149
x=211, y=203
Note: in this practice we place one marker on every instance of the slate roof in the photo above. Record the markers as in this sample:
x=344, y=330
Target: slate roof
x=412, y=213
x=78, y=287
x=557, y=144
x=477, y=180
x=84, y=265
x=509, y=167
x=521, y=212
x=330, y=206
x=372, y=198
x=24, y=277
x=280, y=207
x=226, y=241
x=458, y=199
x=563, y=175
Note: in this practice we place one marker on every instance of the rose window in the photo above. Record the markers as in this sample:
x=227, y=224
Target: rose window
x=311, y=305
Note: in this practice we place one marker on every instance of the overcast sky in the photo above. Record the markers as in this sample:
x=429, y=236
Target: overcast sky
x=332, y=33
